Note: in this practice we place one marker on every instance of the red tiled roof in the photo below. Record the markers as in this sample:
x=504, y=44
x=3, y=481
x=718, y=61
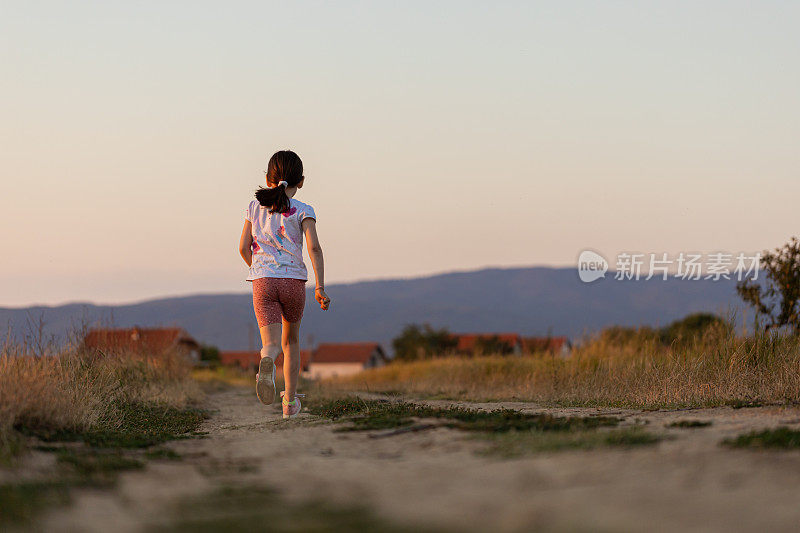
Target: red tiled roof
x=248, y=359
x=467, y=341
x=243, y=360
x=137, y=339
x=544, y=344
x=354, y=352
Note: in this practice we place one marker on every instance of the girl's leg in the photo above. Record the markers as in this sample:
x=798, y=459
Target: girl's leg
x=270, y=340
x=293, y=298
x=267, y=309
x=290, y=343
x=265, y=378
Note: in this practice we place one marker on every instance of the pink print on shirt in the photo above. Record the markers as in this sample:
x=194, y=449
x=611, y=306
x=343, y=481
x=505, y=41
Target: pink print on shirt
x=278, y=241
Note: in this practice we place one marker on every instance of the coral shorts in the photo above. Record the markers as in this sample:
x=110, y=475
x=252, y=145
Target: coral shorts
x=274, y=298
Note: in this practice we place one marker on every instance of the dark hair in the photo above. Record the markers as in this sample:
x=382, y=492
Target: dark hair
x=283, y=166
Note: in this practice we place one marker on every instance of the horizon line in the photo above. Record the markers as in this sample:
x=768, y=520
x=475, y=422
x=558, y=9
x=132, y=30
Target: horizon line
x=213, y=293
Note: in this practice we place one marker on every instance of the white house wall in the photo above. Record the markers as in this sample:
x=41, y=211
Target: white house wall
x=329, y=370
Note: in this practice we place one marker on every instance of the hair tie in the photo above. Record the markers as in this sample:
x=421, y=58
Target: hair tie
x=283, y=184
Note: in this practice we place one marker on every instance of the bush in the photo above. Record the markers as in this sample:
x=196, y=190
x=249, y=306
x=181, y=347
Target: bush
x=209, y=353
x=492, y=345
x=684, y=330
x=422, y=342
x=777, y=300
x=691, y=327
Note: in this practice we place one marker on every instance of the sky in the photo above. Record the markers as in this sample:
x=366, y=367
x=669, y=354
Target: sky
x=436, y=136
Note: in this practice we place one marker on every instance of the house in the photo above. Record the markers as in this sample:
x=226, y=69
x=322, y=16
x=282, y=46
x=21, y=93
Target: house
x=342, y=359
x=245, y=360
x=488, y=343
x=248, y=360
x=552, y=345
x=149, y=341
x=327, y=360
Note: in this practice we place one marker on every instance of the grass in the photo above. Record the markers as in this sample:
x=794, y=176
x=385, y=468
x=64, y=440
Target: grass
x=19, y=503
x=256, y=508
x=383, y=414
x=110, y=407
x=715, y=369
x=222, y=377
x=97, y=467
x=778, y=438
x=11, y=445
x=129, y=425
x=516, y=444
x=113, y=400
x=77, y=467
x=689, y=424
x=163, y=453
x=744, y=404
x=509, y=433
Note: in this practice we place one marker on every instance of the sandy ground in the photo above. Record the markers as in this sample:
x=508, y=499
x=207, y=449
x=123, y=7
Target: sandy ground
x=435, y=478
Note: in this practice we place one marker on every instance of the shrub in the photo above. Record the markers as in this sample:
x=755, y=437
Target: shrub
x=422, y=342
x=777, y=299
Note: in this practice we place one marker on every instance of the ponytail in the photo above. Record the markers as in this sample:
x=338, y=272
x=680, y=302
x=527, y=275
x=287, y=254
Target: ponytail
x=285, y=170
x=274, y=198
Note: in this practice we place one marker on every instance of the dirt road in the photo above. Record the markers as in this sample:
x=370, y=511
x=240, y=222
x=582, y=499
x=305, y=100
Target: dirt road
x=436, y=478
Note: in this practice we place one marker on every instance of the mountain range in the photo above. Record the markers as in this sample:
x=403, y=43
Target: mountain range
x=531, y=301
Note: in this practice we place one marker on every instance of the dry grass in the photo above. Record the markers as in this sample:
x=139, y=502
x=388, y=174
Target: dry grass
x=73, y=391
x=716, y=369
x=222, y=377
x=108, y=406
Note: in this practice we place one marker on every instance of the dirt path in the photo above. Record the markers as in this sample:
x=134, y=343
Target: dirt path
x=435, y=478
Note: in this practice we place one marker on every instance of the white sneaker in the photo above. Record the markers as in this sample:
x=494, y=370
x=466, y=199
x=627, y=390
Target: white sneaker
x=265, y=381
x=291, y=409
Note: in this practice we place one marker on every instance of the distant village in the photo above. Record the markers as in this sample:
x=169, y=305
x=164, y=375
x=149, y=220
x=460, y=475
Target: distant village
x=323, y=361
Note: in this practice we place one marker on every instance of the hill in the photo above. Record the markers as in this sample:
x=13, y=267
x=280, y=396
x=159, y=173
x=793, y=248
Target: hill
x=531, y=301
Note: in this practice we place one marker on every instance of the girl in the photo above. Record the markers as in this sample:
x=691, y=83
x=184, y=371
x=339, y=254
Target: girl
x=272, y=246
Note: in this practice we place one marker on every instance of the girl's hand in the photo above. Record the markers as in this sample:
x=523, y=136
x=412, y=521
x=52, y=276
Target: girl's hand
x=322, y=298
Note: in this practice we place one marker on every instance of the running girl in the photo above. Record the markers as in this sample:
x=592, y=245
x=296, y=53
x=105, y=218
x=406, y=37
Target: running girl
x=272, y=246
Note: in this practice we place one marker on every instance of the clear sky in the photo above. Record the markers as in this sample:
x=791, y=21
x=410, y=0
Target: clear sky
x=436, y=136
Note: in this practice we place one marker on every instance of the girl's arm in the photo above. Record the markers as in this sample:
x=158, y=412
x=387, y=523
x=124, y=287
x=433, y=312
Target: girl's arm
x=315, y=253
x=246, y=243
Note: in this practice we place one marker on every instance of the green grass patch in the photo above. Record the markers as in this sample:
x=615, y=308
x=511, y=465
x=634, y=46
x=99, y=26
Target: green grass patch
x=384, y=414
x=510, y=433
x=163, y=453
x=11, y=445
x=97, y=465
x=130, y=425
x=689, y=424
x=137, y=425
x=778, y=438
x=519, y=443
x=20, y=503
x=633, y=436
x=743, y=404
x=109, y=447
x=260, y=509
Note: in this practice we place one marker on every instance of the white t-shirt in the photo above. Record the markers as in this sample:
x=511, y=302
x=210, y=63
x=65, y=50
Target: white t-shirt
x=278, y=241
